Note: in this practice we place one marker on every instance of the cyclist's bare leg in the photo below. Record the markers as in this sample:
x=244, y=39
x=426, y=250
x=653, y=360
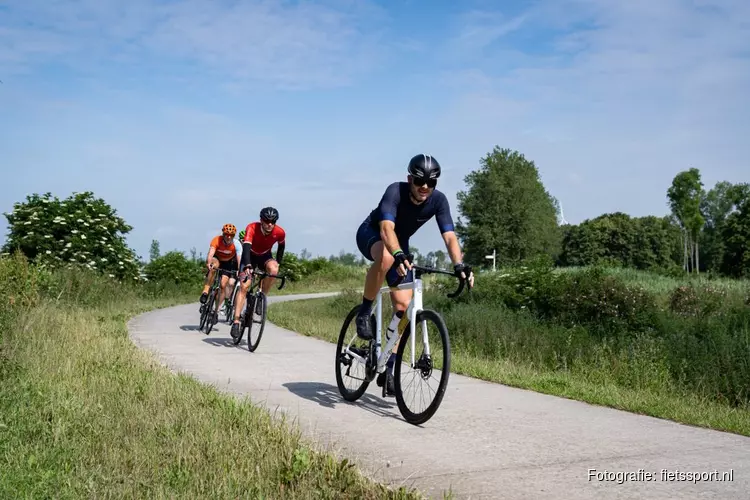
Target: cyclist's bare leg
x=222, y=289
x=209, y=279
x=378, y=270
x=244, y=285
x=272, y=267
x=374, y=280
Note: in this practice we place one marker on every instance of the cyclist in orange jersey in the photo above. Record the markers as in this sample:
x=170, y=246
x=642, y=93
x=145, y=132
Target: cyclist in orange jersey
x=222, y=255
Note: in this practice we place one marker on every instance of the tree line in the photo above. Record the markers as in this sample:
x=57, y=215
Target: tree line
x=507, y=208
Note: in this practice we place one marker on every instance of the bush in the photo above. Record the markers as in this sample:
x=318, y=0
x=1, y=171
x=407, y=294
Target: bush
x=603, y=303
x=696, y=300
x=80, y=229
x=175, y=267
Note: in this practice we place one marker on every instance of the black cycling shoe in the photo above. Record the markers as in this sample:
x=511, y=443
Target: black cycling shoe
x=235, y=331
x=390, y=388
x=363, y=327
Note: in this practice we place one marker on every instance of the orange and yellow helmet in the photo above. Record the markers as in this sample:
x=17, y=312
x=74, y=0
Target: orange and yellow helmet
x=229, y=230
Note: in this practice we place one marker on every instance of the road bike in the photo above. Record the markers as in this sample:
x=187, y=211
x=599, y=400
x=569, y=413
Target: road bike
x=207, y=323
x=373, y=359
x=230, y=302
x=255, y=300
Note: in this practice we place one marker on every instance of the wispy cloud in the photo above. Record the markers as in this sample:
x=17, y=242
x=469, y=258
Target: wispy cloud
x=298, y=45
x=615, y=92
x=172, y=101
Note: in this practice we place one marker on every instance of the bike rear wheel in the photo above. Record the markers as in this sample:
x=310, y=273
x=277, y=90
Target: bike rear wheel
x=260, y=298
x=426, y=366
x=348, y=363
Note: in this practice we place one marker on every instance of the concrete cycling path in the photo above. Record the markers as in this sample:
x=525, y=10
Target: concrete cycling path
x=486, y=440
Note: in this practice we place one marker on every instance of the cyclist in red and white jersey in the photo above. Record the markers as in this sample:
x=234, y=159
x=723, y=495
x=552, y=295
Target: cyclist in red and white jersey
x=257, y=244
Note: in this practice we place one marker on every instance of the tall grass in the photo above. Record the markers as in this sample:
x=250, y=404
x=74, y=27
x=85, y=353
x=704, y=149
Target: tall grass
x=645, y=343
x=84, y=413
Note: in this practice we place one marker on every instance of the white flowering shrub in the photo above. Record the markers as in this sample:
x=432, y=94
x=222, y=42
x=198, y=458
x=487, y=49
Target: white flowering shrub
x=79, y=230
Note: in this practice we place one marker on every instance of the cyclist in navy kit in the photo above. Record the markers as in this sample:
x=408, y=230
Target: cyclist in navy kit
x=383, y=238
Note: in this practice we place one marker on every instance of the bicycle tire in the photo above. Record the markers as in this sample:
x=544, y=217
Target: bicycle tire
x=249, y=304
x=250, y=346
x=209, y=325
x=350, y=396
x=204, y=317
x=409, y=416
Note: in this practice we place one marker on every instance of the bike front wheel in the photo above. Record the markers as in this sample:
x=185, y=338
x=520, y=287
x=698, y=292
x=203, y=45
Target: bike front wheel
x=260, y=298
x=210, y=305
x=427, y=368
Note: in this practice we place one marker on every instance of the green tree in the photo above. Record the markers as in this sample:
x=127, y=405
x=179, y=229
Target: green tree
x=716, y=205
x=154, y=251
x=79, y=230
x=618, y=239
x=173, y=266
x=684, y=199
x=735, y=233
x=507, y=209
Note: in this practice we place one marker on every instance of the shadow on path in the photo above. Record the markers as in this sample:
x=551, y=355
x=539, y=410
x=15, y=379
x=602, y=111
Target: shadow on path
x=328, y=395
x=224, y=342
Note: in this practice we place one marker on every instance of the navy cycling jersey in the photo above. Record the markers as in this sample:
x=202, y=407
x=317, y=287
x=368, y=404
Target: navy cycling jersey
x=396, y=205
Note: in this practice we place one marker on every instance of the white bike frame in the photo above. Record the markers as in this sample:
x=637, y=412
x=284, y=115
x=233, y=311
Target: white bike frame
x=415, y=306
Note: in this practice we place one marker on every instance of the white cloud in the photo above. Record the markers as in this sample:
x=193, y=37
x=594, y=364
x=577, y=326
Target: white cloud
x=616, y=92
x=294, y=46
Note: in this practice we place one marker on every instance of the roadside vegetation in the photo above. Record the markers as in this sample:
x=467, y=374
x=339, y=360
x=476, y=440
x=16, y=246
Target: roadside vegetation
x=85, y=413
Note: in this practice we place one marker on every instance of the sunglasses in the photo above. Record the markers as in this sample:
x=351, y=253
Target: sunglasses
x=419, y=182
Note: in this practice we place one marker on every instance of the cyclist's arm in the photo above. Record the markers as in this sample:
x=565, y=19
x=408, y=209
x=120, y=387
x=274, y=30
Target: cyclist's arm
x=211, y=252
x=447, y=229
x=451, y=245
x=280, y=251
x=388, y=235
x=246, y=246
x=388, y=208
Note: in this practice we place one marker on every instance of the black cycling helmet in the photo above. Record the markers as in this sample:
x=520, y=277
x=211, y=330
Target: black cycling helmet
x=424, y=166
x=269, y=214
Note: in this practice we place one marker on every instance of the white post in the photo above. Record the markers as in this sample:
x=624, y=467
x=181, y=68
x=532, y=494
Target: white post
x=494, y=254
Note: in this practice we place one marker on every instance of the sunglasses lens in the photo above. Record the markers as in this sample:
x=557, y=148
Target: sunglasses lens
x=421, y=182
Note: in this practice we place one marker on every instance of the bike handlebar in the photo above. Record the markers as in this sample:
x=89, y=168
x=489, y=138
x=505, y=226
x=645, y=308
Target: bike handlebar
x=419, y=270
x=263, y=274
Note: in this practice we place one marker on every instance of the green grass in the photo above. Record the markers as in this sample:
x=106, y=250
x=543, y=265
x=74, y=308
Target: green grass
x=499, y=345
x=84, y=413
x=325, y=281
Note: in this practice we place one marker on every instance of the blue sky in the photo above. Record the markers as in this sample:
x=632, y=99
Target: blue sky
x=187, y=114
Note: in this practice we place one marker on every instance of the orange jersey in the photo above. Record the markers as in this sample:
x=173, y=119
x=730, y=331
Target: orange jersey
x=223, y=251
x=263, y=243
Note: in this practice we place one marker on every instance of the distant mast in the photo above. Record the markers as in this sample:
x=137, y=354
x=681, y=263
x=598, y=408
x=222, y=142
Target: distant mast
x=561, y=218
